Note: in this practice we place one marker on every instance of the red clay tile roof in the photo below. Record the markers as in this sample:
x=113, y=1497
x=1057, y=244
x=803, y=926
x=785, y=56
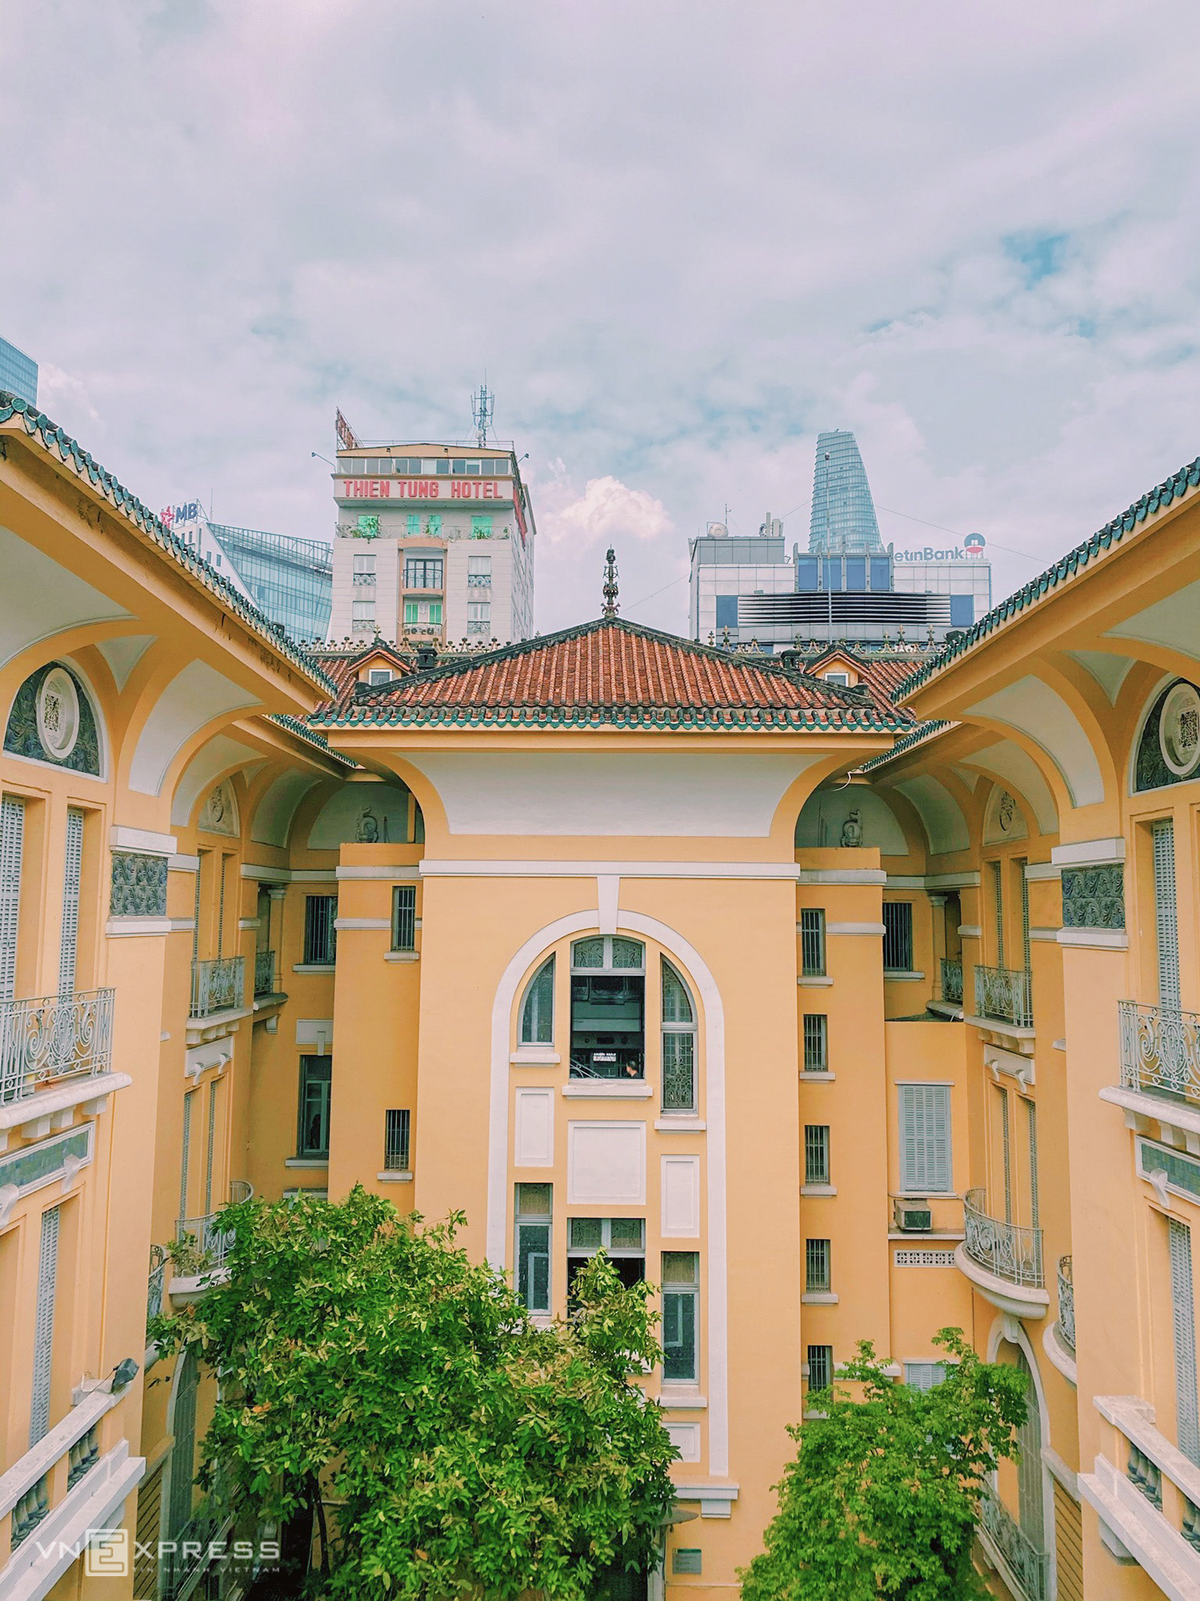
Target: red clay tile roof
x=616, y=672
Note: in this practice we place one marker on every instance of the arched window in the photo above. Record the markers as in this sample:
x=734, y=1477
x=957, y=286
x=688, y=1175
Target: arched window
x=678, y=1043
x=537, y=1014
x=608, y=1008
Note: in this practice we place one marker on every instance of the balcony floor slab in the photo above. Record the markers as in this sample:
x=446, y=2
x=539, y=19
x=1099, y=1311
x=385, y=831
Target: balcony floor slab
x=1017, y=1300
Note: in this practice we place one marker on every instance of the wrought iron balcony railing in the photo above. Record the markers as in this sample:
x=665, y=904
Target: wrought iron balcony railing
x=1028, y=1566
x=1009, y=1250
x=264, y=972
x=1066, y=1301
x=156, y=1281
x=217, y=986
x=952, y=981
x=1005, y=993
x=1160, y=1050
x=52, y=1037
x=207, y=1238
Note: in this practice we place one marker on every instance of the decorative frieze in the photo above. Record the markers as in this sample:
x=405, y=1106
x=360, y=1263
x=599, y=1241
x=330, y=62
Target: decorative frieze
x=1094, y=897
x=52, y=721
x=139, y=885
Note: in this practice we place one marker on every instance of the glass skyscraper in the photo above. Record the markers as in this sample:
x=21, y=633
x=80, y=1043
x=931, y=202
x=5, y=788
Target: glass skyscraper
x=290, y=580
x=18, y=374
x=843, y=513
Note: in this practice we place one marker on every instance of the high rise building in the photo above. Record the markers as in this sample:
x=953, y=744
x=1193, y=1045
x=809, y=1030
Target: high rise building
x=290, y=580
x=18, y=373
x=843, y=513
x=435, y=542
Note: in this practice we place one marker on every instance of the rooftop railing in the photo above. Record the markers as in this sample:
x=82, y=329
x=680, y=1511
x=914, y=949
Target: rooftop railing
x=217, y=986
x=1004, y=993
x=1009, y=1250
x=1160, y=1050
x=51, y=1037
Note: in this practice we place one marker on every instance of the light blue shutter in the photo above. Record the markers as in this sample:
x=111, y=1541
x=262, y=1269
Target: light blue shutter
x=43, y=1326
x=924, y=1138
x=1166, y=920
x=1021, y=866
x=12, y=837
x=185, y=1153
x=68, y=948
x=1187, y=1415
x=212, y=1133
x=1034, y=1198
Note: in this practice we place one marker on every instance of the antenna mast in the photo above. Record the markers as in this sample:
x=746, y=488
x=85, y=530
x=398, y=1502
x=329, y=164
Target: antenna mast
x=482, y=405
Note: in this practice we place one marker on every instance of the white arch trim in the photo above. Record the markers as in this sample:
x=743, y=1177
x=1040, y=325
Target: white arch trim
x=716, y=1275
x=1010, y=1330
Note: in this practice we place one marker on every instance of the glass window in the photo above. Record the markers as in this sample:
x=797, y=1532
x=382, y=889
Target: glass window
x=404, y=917
x=608, y=1008
x=537, y=1014
x=364, y=564
x=678, y=1043
x=423, y=572
x=320, y=935
x=812, y=943
x=315, y=1082
x=379, y=675
x=836, y=678
x=816, y=1042
x=622, y=1238
x=817, y=1266
x=395, y=1141
x=479, y=566
x=479, y=611
x=680, y=1296
x=533, y=1208
x=816, y=1153
x=820, y=1367
x=443, y=466
x=898, y=935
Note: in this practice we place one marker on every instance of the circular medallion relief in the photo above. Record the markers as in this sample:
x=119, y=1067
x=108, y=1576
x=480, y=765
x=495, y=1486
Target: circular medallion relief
x=58, y=714
x=1006, y=811
x=1179, y=730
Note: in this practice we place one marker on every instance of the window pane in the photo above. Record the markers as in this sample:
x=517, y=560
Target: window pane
x=924, y=1138
x=627, y=953
x=320, y=935
x=820, y=1367
x=812, y=943
x=395, y=1141
x=533, y=1265
x=679, y=1334
x=533, y=1200
x=677, y=1006
x=587, y=953
x=816, y=1265
x=679, y=1267
x=816, y=1052
x=404, y=917
x=626, y=1233
x=679, y=1072
x=537, y=1018
x=898, y=935
x=587, y=1233
x=816, y=1153
x=315, y=1074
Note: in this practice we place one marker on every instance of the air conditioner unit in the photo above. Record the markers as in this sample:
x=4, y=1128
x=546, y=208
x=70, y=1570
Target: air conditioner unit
x=913, y=1215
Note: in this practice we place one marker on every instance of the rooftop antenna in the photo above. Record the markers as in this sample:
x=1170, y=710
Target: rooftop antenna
x=610, y=584
x=482, y=405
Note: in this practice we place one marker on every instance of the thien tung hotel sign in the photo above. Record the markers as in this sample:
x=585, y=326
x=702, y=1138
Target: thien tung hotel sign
x=424, y=489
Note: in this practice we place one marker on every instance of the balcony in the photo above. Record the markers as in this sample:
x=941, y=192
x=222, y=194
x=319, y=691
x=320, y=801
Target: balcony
x=54, y=1037
x=1026, y=1569
x=156, y=1282
x=1066, y=1301
x=479, y=580
x=1160, y=1051
x=1004, y=995
x=952, y=981
x=264, y=973
x=1003, y=1260
x=217, y=986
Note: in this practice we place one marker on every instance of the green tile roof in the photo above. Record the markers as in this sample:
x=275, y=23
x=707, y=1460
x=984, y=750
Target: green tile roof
x=56, y=440
x=1071, y=564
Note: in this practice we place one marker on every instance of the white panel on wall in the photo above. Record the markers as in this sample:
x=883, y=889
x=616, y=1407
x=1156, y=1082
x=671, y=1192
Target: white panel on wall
x=606, y=1162
x=681, y=1196
x=685, y=1437
x=533, y=1141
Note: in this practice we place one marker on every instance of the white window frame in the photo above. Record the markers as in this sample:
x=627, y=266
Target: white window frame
x=531, y=1008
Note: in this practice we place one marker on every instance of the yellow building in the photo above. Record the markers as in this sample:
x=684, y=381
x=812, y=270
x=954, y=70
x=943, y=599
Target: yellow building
x=833, y=1023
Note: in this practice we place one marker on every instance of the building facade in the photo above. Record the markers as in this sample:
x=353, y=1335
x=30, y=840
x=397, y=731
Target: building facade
x=843, y=518
x=842, y=998
x=18, y=373
x=435, y=543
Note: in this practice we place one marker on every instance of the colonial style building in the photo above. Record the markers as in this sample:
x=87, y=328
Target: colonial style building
x=842, y=997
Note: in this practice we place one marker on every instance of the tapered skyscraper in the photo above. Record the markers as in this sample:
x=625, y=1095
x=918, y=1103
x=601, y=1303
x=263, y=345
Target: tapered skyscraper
x=843, y=513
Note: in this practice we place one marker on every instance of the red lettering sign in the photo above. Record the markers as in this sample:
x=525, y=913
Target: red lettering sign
x=425, y=489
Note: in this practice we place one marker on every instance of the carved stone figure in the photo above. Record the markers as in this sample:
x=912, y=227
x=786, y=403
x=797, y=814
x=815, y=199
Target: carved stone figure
x=852, y=833
x=367, y=832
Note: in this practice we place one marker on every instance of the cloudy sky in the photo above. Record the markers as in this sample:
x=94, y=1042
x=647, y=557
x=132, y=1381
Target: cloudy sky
x=680, y=238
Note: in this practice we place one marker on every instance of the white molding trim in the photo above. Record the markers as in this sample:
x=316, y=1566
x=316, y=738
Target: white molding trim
x=137, y=927
x=541, y=868
x=606, y=1089
x=902, y=975
x=1094, y=939
x=535, y=1056
x=142, y=841
x=93, y=1504
x=1061, y=1357
x=409, y=873
x=934, y=881
x=262, y=874
x=341, y=923
x=1036, y=872
x=814, y=981
x=520, y=964
x=608, y=896
x=841, y=875
x=182, y=925
x=819, y=1298
x=1089, y=853
x=682, y=1124
x=969, y=931
x=1048, y=935
x=28, y=1469
x=1140, y=1531
x=1065, y=1475
x=183, y=864
x=876, y=929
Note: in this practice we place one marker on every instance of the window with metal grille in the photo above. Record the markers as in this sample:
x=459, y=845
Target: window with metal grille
x=404, y=917
x=820, y=1367
x=924, y=1375
x=924, y=1138
x=816, y=1042
x=423, y=572
x=43, y=1325
x=320, y=935
x=1166, y=914
x=72, y=871
x=1183, y=1318
x=812, y=943
x=537, y=1014
x=816, y=1153
x=678, y=1043
x=316, y=1081
x=898, y=935
x=533, y=1209
x=395, y=1141
x=12, y=840
x=816, y=1266
x=681, y=1306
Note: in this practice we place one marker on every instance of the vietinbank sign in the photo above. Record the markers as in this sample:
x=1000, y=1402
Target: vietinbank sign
x=972, y=546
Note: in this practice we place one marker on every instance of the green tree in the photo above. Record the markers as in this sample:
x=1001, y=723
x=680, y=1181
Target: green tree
x=880, y=1500
x=376, y=1378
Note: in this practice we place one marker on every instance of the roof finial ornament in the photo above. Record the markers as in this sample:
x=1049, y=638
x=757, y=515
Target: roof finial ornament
x=610, y=584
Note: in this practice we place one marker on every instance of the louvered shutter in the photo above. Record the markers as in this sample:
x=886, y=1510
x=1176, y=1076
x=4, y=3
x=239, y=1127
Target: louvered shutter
x=924, y=1138
x=43, y=1326
x=183, y=1452
x=72, y=871
x=1024, y=915
x=12, y=837
x=998, y=903
x=1030, y=1499
x=1184, y=1317
x=1034, y=1198
x=185, y=1153
x=1166, y=920
x=1007, y=1153
x=212, y=1135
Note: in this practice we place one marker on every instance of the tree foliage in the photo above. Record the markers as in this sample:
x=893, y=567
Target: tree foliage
x=372, y=1372
x=880, y=1500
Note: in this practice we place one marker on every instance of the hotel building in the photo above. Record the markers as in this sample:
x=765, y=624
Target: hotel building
x=842, y=999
